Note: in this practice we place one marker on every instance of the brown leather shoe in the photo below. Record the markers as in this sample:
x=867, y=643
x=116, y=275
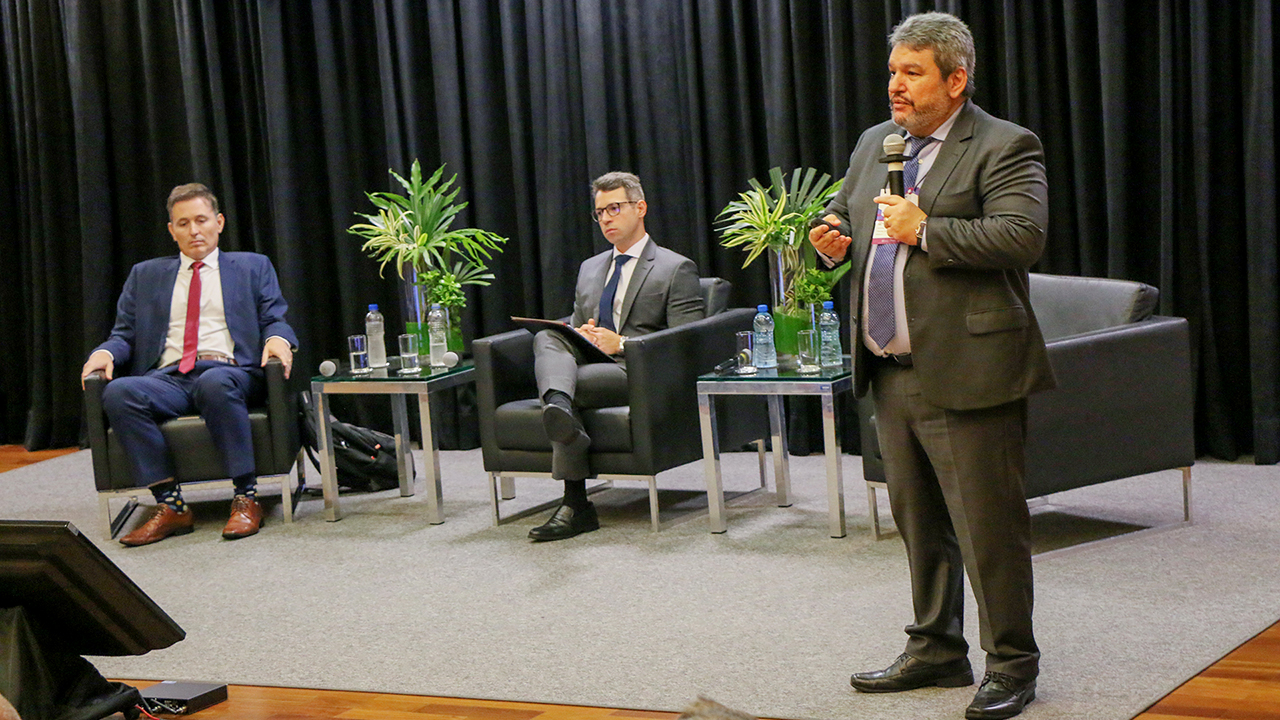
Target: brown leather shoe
x=246, y=518
x=165, y=521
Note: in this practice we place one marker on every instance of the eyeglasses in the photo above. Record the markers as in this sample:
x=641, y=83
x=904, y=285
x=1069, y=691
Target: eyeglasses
x=612, y=208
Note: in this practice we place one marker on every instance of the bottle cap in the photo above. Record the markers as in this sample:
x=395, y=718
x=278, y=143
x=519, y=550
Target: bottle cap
x=827, y=305
x=435, y=306
x=762, y=308
x=373, y=307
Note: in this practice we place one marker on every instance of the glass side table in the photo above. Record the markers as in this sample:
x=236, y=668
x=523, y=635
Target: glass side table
x=774, y=384
x=388, y=381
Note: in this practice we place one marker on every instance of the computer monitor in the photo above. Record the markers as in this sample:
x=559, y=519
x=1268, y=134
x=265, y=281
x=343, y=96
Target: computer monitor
x=78, y=597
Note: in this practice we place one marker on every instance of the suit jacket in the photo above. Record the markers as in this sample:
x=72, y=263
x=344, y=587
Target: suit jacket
x=975, y=341
x=663, y=291
x=251, y=298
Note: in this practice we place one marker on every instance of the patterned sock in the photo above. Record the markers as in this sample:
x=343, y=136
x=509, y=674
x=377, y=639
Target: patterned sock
x=247, y=485
x=170, y=494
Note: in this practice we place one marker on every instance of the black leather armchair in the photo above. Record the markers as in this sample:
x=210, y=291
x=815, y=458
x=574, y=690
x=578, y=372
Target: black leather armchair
x=1125, y=397
x=276, y=445
x=638, y=428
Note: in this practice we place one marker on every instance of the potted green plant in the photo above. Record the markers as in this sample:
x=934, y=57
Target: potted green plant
x=773, y=221
x=413, y=230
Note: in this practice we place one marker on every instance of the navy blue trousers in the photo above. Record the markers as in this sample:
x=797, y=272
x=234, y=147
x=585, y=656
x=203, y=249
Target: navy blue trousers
x=136, y=405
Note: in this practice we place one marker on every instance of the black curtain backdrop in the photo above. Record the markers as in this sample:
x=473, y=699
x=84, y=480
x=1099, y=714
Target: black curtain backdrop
x=1158, y=119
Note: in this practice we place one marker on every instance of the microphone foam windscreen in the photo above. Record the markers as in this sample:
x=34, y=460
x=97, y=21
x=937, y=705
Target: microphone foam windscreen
x=894, y=144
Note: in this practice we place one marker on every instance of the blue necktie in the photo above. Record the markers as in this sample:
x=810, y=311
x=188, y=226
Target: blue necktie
x=880, y=313
x=604, y=317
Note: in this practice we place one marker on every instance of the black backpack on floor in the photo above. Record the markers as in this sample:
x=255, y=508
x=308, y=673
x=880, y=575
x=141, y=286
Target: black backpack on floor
x=364, y=459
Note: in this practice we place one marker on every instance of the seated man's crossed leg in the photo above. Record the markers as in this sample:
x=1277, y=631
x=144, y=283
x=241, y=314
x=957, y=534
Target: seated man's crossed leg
x=556, y=366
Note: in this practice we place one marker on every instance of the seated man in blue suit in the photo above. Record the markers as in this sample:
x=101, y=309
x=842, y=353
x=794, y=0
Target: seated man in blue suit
x=193, y=331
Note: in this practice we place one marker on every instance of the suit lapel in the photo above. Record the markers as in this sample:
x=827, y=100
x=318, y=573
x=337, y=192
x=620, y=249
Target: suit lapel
x=234, y=294
x=643, y=265
x=949, y=156
x=155, y=328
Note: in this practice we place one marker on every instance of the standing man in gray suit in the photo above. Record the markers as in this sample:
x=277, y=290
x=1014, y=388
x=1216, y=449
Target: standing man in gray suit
x=945, y=338
x=634, y=288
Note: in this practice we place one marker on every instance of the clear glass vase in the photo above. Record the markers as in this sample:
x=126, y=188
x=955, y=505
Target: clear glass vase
x=789, y=318
x=416, y=305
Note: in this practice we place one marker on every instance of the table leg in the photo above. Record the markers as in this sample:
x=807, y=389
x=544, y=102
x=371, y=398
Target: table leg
x=431, y=462
x=324, y=444
x=711, y=462
x=404, y=454
x=835, y=478
x=781, y=453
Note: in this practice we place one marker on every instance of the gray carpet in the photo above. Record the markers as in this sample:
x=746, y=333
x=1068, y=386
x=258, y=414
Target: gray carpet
x=769, y=618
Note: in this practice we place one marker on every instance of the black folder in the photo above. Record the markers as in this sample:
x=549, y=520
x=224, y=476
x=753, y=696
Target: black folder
x=590, y=352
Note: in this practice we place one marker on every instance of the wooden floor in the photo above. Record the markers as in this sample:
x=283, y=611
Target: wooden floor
x=1245, y=685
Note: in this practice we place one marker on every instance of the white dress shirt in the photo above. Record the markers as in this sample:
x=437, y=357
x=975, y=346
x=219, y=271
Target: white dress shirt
x=901, y=342
x=214, y=334
x=624, y=281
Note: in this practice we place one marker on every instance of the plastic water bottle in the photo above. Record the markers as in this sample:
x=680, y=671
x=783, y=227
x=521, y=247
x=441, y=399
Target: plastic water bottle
x=374, y=329
x=437, y=335
x=829, y=335
x=766, y=353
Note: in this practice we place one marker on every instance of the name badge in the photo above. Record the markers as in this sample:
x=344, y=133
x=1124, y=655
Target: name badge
x=880, y=236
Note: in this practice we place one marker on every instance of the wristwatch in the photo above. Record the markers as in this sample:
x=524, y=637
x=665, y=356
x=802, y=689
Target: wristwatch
x=920, y=231
x=622, y=344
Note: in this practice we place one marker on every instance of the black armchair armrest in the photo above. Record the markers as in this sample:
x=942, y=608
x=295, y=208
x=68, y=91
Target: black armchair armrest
x=662, y=374
x=96, y=422
x=282, y=412
x=504, y=372
x=1123, y=406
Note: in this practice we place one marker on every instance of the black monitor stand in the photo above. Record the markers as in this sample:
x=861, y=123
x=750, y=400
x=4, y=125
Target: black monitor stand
x=60, y=598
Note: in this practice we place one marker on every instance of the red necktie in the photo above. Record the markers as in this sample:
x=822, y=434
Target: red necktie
x=191, y=333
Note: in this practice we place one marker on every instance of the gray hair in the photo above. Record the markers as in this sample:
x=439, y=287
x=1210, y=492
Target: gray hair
x=946, y=35
x=616, y=179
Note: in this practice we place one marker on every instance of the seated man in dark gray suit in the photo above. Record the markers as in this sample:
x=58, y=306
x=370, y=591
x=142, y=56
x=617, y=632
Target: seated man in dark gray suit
x=631, y=289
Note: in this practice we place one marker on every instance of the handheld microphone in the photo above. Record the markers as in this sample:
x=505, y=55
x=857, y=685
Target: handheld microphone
x=894, y=145
x=328, y=368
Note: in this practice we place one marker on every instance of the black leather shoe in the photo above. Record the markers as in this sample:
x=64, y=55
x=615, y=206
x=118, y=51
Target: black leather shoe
x=566, y=522
x=1000, y=696
x=561, y=421
x=908, y=673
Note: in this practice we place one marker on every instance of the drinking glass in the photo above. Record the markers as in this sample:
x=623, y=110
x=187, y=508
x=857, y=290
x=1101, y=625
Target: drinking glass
x=746, y=348
x=808, y=345
x=409, y=354
x=359, y=347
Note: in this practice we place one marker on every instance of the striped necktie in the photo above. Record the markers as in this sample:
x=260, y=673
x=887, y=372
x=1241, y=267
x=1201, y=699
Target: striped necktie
x=880, y=310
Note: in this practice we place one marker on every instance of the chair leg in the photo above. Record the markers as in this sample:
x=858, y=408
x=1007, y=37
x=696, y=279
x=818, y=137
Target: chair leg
x=494, y=481
x=113, y=525
x=874, y=508
x=508, y=488
x=1186, y=495
x=653, y=503
x=104, y=509
x=286, y=496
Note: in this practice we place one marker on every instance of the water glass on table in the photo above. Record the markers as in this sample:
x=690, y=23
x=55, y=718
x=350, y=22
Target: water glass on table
x=746, y=351
x=808, y=346
x=409, y=354
x=358, y=345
